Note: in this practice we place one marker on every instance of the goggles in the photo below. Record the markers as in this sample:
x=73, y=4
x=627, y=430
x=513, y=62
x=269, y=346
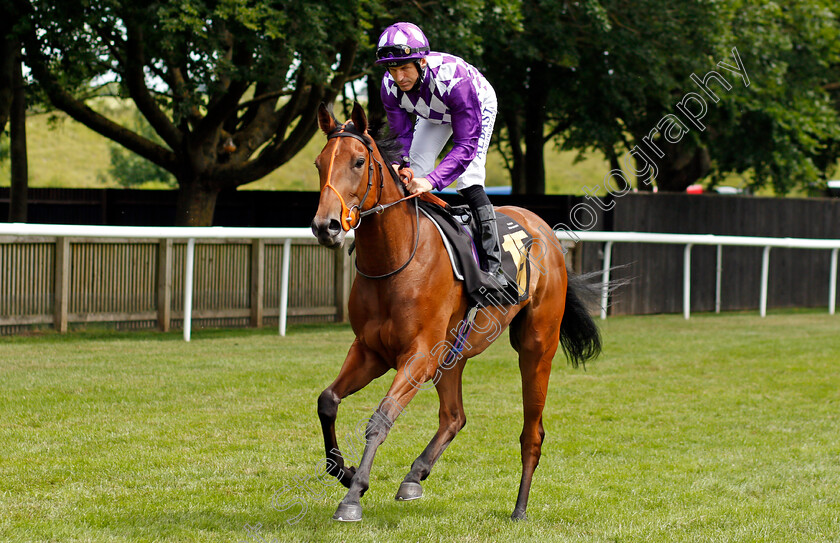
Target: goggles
x=398, y=51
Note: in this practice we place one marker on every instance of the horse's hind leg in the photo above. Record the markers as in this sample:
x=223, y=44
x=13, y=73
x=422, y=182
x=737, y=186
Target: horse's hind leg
x=360, y=368
x=452, y=419
x=536, y=347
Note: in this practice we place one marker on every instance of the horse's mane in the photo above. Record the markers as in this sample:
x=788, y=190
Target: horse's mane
x=389, y=147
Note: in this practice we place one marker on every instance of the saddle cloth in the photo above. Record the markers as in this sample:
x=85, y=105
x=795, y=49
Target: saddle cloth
x=458, y=238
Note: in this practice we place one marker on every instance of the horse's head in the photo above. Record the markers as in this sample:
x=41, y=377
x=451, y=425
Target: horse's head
x=345, y=166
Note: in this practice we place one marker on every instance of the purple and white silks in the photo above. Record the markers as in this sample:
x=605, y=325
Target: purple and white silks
x=453, y=99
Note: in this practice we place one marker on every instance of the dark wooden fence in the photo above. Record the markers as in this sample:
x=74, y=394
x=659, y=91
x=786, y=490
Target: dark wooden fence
x=124, y=207
x=798, y=278
x=139, y=283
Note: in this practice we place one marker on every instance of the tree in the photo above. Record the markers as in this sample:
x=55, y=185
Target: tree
x=13, y=109
x=638, y=71
x=589, y=74
x=784, y=130
x=230, y=86
x=8, y=55
x=19, y=198
x=528, y=49
x=602, y=75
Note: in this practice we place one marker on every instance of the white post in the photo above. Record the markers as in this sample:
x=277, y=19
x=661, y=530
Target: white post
x=687, y=281
x=284, y=284
x=605, y=278
x=765, y=273
x=832, y=285
x=188, y=287
x=718, y=275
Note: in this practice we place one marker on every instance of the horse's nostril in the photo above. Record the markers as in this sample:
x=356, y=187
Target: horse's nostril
x=335, y=226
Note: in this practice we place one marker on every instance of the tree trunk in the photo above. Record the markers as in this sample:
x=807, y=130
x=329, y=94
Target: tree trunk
x=534, y=160
x=516, y=166
x=196, y=203
x=537, y=96
x=682, y=166
x=376, y=111
x=17, y=132
x=616, y=165
x=9, y=49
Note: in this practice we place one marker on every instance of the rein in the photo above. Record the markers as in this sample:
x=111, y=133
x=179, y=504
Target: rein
x=410, y=258
x=341, y=131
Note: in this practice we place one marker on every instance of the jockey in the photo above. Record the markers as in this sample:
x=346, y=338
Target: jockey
x=450, y=98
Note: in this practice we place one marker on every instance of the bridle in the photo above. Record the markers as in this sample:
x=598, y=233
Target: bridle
x=344, y=131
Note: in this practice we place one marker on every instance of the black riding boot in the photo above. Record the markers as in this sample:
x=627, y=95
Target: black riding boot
x=488, y=233
x=490, y=244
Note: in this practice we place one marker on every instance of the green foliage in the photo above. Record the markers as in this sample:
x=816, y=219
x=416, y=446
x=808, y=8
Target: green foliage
x=598, y=74
x=450, y=26
x=785, y=128
x=230, y=87
x=277, y=40
x=616, y=68
x=131, y=171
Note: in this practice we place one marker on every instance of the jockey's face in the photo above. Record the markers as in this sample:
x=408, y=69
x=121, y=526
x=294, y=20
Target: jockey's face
x=406, y=75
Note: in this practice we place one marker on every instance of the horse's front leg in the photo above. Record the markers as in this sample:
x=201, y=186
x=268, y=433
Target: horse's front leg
x=360, y=368
x=403, y=389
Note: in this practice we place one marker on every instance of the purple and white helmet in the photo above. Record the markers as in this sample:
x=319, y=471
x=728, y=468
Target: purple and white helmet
x=401, y=43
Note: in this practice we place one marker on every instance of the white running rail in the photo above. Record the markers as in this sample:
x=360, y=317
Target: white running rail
x=289, y=234
x=189, y=233
x=689, y=240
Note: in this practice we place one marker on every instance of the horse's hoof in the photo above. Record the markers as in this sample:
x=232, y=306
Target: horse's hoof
x=409, y=491
x=519, y=515
x=348, y=513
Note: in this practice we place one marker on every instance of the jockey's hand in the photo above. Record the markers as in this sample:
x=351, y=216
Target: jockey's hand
x=419, y=185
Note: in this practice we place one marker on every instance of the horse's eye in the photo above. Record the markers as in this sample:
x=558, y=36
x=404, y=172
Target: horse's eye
x=359, y=163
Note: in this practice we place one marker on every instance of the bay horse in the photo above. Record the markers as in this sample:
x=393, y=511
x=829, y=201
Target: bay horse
x=405, y=303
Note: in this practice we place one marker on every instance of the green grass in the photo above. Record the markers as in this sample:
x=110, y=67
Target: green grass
x=721, y=428
x=61, y=153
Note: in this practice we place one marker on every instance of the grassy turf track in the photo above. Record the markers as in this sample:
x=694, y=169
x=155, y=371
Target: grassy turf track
x=722, y=428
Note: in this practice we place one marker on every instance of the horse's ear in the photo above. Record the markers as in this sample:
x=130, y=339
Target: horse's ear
x=359, y=118
x=325, y=119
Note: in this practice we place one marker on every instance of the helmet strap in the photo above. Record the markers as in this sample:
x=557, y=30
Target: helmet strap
x=420, y=75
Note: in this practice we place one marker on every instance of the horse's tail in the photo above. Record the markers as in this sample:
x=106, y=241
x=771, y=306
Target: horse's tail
x=579, y=335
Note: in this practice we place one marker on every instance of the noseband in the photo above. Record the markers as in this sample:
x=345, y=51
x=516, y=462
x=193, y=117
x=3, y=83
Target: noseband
x=342, y=131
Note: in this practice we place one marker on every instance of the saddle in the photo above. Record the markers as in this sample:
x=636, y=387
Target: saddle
x=455, y=224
